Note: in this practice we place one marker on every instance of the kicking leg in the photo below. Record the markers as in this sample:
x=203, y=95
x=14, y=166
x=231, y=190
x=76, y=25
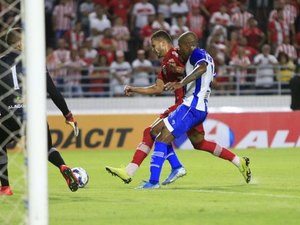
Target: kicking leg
x=197, y=139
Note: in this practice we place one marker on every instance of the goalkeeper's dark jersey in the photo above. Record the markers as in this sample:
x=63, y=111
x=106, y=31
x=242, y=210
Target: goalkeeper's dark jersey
x=11, y=87
x=11, y=84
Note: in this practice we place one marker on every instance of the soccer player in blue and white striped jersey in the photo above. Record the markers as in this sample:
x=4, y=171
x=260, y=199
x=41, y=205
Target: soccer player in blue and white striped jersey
x=200, y=72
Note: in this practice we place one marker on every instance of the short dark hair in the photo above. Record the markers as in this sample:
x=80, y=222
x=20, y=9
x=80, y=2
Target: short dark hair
x=13, y=35
x=161, y=34
x=188, y=37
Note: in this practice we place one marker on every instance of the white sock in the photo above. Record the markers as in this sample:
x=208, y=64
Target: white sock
x=131, y=168
x=236, y=161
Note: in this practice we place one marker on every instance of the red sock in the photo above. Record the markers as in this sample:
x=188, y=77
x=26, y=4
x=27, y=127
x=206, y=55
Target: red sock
x=215, y=149
x=143, y=148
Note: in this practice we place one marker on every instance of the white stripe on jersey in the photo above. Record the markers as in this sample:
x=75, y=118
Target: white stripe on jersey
x=198, y=91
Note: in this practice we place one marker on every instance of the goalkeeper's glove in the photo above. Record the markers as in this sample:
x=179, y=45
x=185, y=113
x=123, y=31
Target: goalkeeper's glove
x=71, y=121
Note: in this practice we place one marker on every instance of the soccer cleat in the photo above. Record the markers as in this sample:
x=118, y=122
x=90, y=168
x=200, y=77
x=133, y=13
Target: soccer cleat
x=69, y=177
x=5, y=190
x=174, y=175
x=119, y=172
x=148, y=185
x=244, y=168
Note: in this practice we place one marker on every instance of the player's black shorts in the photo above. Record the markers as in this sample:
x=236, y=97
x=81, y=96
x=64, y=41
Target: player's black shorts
x=11, y=125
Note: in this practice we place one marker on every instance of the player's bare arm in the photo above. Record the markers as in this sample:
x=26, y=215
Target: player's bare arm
x=156, y=88
x=194, y=75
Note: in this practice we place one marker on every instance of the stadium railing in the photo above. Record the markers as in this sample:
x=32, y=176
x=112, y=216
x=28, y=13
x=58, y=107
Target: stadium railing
x=230, y=82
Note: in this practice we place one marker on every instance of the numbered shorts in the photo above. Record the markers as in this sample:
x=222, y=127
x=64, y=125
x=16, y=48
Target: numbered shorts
x=183, y=119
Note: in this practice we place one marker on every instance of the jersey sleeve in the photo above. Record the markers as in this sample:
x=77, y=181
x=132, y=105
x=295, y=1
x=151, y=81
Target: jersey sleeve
x=56, y=96
x=199, y=56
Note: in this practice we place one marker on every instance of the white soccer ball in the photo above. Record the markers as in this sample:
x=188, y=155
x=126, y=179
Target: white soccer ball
x=82, y=176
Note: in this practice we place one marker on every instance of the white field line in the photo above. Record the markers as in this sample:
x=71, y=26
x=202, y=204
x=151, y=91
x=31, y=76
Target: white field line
x=239, y=193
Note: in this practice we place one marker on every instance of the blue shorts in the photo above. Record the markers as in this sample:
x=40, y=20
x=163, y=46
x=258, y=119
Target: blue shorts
x=183, y=119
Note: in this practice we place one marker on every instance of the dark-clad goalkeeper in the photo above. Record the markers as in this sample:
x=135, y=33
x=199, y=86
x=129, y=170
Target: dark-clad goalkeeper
x=11, y=112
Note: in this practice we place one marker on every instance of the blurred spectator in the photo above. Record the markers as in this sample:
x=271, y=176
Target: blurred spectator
x=296, y=43
x=196, y=22
x=222, y=77
x=139, y=16
x=233, y=42
x=265, y=62
x=160, y=24
x=287, y=48
x=261, y=10
x=62, y=17
x=74, y=75
x=103, y=3
x=218, y=42
x=277, y=30
x=142, y=69
x=120, y=8
x=121, y=73
x=295, y=91
x=98, y=23
x=179, y=9
x=146, y=33
x=239, y=19
x=90, y=53
x=220, y=17
x=178, y=29
x=286, y=70
x=62, y=58
x=52, y=63
x=121, y=34
x=100, y=77
x=85, y=9
x=49, y=6
x=214, y=5
x=241, y=62
x=75, y=36
x=164, y=7
x=289, y=13
x=88, y=56
x=233, y=6
x=254, y=35
x=108, y=45
x=249, y=51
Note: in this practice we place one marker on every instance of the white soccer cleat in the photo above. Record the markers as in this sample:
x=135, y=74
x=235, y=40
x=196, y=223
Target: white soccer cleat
x=174, y=175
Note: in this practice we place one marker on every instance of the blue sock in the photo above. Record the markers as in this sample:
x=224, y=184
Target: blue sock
x=172, y=158
x=157, y=160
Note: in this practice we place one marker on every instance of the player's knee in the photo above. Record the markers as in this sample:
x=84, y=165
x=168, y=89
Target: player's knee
x=147, y=131
x=165, y=136
x=196, y=138
x=156, y=129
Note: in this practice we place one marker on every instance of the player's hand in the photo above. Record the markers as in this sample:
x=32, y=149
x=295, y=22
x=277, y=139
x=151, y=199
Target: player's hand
x=128, y=90
x=72, y=122
x=172, y=86
x=172, y=65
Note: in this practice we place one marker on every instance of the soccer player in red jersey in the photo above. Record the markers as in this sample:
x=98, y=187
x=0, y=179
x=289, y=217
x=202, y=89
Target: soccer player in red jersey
x=172, y=70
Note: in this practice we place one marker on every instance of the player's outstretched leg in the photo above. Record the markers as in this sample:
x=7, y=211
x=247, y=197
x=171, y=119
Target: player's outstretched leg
x=245, y=169
x=5, y=190
x=141, y=152
x=119, y=172
x=69, y=177
x=177, y=168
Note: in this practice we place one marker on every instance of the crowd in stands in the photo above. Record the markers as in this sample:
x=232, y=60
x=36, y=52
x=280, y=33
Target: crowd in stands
x=111, y=40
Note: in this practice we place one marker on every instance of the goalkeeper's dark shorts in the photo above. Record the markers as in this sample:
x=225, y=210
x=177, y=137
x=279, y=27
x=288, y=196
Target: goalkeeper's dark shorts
x=10, y=129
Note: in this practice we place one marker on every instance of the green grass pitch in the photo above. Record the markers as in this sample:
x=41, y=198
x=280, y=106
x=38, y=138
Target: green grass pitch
x=212, y=193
